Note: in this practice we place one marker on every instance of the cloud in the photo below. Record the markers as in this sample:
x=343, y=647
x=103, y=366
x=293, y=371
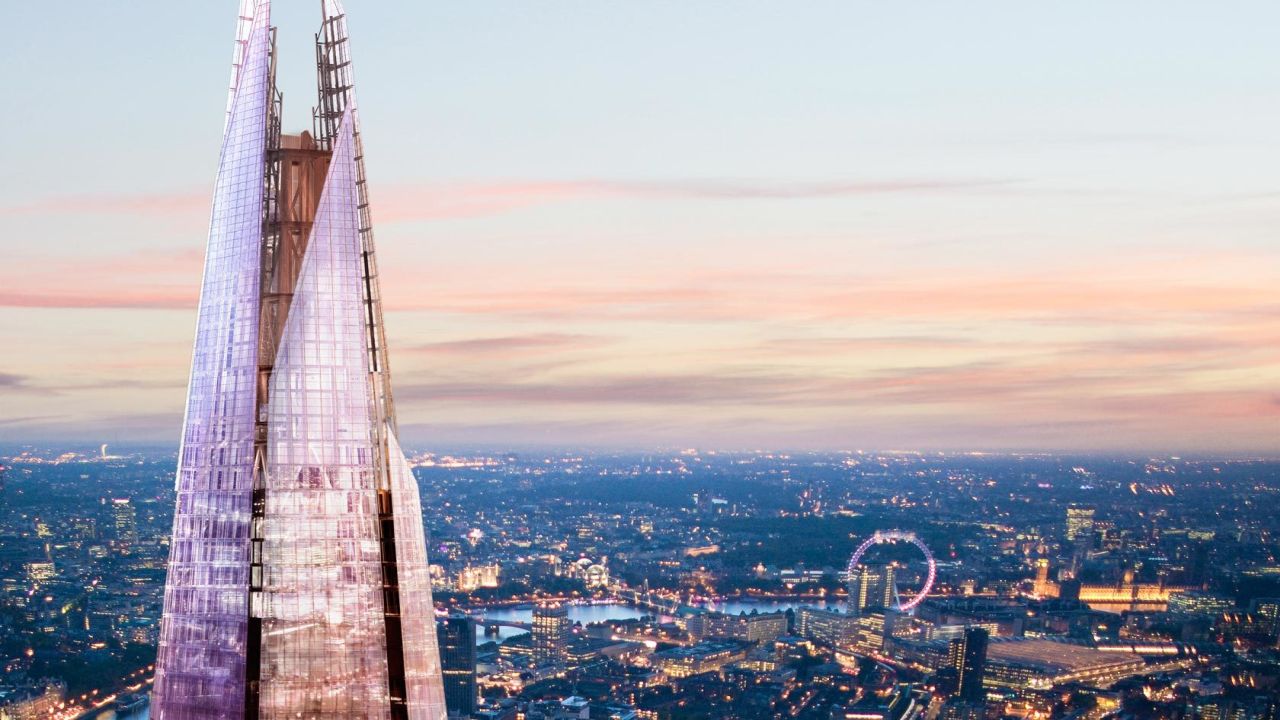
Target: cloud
x=460, y=199
x=436, y=201
x=1016, y=295
x=104, y=299
x=12, y=381
x=630, y=390
x=145, y=204
x=150, y=279
x=29, y=420
x=523, y=345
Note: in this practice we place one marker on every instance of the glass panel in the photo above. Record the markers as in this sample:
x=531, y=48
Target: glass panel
x=324, y=652
x=418, y=620
x=200, y=664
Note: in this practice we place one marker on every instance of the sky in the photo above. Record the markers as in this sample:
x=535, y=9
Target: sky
x=725, y=224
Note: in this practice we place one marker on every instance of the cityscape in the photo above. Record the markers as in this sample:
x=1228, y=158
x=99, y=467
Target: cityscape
x=637, y=459
x=695, y=584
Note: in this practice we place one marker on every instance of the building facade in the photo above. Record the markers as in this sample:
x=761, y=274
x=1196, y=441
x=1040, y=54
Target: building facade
x=872, y=586
x=298, y=581
x=457, y=637
x=551, y=628
x=967, y=656
x=1080, y=523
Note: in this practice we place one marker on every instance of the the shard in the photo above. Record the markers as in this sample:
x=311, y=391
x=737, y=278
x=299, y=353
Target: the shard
x=298, y=583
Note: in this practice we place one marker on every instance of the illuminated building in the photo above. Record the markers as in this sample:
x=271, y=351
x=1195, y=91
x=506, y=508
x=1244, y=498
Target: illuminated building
x=871, y=586
x=550, y=634
x=37, y=702
x=756, y=627
x=1021, y=663
x=1043, y=586
x=483, y=576
x=828, y=627
x=40, y=572
x=1268, y=609
x=1041, y=664
x=457, y=637
x=1199, y=603
x=869, y=632
x=967, y=658
x=1079, y=523
x=706, y=656
x=125, y=516
x=298, y=581
x=1128, y=595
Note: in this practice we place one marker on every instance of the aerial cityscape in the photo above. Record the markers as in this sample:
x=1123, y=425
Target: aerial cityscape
x=695, y=584
x=853, y=450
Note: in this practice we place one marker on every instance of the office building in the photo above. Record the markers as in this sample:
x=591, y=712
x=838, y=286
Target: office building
x=457, y=637
x=828, y=627
x=298, y=583
x=550, y=634
x=1079, y=523
x=872, y=586
x=125, y=517
x=967, y=658
x=753, y=627
x=1196, y=602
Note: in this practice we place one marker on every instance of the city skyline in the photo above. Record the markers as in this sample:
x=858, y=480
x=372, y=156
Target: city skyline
x=1003, y=228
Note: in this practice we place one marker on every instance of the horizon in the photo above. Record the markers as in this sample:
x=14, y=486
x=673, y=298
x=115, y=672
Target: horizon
x=131, y=448
x=736, y=227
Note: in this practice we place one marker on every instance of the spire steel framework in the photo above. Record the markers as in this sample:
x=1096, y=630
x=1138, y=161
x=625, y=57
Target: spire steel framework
x=298, y=582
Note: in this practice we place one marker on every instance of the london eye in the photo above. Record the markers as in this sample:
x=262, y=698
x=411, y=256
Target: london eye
x=895, y=536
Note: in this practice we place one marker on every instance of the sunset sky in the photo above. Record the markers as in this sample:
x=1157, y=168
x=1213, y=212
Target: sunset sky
x=730, y=224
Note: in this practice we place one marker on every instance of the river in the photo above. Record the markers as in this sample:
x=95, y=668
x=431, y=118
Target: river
x=622, y=611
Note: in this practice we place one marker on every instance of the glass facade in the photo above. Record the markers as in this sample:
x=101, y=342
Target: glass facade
x=324, y=649
x=305, y=593
x=418, y=624
x=200, y=668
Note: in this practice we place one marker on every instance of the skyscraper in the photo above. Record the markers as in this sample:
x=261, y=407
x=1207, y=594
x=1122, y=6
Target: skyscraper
x=550, y=634
x=872, y=586
x=298, y=582
x=967, y=658
x=126, y=521
x=457, y=636
x=1079, y=523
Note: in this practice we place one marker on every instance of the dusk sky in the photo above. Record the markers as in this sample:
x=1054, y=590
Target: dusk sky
x=733, y=224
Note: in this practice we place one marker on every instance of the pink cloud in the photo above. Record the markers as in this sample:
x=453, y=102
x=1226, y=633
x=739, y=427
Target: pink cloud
x=523, y=345
x=448, y=200
x=180, y=203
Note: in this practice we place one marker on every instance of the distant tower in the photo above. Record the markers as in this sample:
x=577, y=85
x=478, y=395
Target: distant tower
x=1079, y=523
x=298, y=584
x=457, y=638
x=1041, y=587
x=1197, y=572
x=967, y=658
x=872, y=586
x=550, y=634
x=126, y=521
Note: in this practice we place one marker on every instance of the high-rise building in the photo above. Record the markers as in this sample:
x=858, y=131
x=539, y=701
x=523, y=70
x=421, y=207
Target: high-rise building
x=967, y=658
x=125, y=517
x=834, y=629
x=298, y=582
x=1079, y=523
x=550, y=634
x=457, y=637
x=872, y=586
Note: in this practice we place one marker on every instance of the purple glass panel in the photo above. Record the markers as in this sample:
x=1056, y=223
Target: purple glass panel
x=324, y=651
x=200, y=665
x=418, y=621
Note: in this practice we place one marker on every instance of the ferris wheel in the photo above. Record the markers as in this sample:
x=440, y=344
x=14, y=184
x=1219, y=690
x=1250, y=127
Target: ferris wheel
x=895, y=536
